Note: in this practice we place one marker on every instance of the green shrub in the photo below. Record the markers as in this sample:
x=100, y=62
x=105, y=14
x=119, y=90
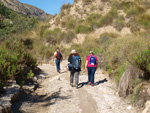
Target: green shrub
x=136, y=93
x=93, y=20
x=119, y=72
x=106, y=38
x=4, y=11
x=109, y=17
x=87, y=1
x=82, y=29
x=13, y=59
x=143, y=20
x=119, y=23
x=68, y=37
x=65, y=6
x=63, y=24
x=134, y=11
x=71, y=24
x=142, y=61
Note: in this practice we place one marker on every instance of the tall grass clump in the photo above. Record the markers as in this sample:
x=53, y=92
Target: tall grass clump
x=65, y=6
x=119, y=23
x=143, y=20
x=83, y=29
x=109, y=17
x=134, y=11
x=93, y=20
x=87, y=1
x=68, y=37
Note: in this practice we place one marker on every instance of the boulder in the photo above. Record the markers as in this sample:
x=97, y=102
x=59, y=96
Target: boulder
x=147, y=107
x=7, y=98
x=126, y=80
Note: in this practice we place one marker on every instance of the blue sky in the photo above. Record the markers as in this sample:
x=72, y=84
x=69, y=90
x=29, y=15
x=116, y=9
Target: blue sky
x=49, y=6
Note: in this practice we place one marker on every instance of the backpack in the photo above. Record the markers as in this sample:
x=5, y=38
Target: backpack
x=92, y=60
x=58, y=55
x=76, y=62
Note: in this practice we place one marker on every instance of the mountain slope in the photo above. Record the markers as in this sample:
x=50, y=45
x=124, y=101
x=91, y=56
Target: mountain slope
x=25, y=9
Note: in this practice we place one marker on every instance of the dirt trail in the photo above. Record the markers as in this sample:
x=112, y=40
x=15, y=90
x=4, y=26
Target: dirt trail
x=56, y=95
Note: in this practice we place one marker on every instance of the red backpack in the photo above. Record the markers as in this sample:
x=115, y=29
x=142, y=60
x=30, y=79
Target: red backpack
x=58, y=55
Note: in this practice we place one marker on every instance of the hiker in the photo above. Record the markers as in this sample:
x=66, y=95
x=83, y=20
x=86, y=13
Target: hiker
x=74, y=65
x=91, y=66
x=58, y=58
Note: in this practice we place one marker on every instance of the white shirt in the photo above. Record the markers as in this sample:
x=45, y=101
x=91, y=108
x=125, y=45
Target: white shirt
x=55, y=53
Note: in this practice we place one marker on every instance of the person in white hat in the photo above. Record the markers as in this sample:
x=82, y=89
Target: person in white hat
x=74, y=65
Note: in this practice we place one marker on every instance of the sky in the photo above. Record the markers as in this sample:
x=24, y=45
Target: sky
x=49, y=6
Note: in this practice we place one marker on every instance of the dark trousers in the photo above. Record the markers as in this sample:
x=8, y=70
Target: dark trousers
x=91, y=73
x=57, y=65
x=76, y=74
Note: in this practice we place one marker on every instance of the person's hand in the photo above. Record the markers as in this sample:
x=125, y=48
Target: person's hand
x=85, y=69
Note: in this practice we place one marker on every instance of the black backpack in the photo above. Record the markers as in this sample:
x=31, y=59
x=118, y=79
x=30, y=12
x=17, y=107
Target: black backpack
x=76, y=60
x=58, y=55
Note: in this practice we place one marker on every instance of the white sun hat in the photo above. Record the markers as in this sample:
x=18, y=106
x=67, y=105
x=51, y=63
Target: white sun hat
x=91, y=52
x=73, y=51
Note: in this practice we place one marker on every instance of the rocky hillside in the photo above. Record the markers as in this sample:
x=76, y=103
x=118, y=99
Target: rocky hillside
x=25, y=9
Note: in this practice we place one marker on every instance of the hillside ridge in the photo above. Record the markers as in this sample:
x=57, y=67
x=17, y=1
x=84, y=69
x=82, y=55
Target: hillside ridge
x=26, y=9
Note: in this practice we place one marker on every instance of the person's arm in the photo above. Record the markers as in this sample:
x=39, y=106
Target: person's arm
x=80, y=62
x=54, y=56
x=96, y=62
x=86, y=63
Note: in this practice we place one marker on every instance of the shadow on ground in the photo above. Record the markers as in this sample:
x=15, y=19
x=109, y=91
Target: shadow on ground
x=26, y=100
x=95, y=84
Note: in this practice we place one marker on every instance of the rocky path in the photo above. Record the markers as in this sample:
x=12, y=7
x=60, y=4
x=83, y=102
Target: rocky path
x=56, y=96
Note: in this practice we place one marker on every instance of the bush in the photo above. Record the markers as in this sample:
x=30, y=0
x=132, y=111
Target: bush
x=134, y=11
x=93, y=20
x=119, y=23
x=109, y=17
x=82, y=29
x=106, y=38
x=119, y=73
x=87, y=1
x=143, y=20
x=142, y=61
x=65, y=6
x=68, y=37
x=71, y=24
x=13, y=59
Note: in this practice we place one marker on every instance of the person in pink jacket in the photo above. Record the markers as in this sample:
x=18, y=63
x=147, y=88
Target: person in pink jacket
x=91, y=66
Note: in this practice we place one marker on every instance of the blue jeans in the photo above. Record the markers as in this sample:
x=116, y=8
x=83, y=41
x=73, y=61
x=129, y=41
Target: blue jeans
x=91, y=73
x=57, y=65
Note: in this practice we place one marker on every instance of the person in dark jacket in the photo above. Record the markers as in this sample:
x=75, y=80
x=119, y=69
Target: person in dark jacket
x=71, y=65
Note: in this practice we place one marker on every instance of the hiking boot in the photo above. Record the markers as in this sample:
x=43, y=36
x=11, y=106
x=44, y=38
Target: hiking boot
x=89, y=83
x=71, y=84
x=76, y=86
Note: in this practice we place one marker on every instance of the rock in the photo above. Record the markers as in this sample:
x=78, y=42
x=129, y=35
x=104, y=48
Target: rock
x=42, y=76
x=9, y=97
x=129, y=107
x=35, y=79
x=1, y=109
x=126, y=80
x=147, y=107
